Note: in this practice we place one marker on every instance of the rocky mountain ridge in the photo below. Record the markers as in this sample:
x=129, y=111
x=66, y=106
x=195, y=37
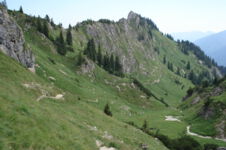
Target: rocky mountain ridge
x=12, y=41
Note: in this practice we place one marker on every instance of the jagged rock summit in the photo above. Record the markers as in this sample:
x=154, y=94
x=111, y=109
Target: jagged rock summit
x=12, y=40
x=132, y=15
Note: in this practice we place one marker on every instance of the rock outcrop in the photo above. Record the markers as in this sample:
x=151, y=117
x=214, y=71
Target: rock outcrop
x=128, y=39
x=12, y=40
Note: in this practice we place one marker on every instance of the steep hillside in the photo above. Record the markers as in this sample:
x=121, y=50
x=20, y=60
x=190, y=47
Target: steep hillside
x=206, y=108
x=146, y=54
x=214, y=46
x=56, y=108
x=61, y=105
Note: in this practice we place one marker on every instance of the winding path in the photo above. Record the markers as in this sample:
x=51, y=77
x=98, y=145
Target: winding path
x=204, y=137
x=173, y=118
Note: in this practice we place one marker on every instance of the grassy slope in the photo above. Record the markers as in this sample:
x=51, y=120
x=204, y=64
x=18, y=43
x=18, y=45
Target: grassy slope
x=59, y=124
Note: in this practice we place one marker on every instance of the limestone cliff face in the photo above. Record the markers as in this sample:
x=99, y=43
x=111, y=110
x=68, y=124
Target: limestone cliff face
x=12, y=40
x=128, y=38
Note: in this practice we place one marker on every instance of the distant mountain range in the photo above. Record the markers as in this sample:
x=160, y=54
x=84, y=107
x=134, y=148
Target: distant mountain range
x=190, y=36
x=215, y=46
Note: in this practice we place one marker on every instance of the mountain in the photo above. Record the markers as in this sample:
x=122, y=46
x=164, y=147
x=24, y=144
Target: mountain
x=110, y=88
x=190, y=36
x=214, y=46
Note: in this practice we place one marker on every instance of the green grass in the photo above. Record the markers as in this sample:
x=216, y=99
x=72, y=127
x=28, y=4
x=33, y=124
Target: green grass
x=204, y=127
x=55, y=124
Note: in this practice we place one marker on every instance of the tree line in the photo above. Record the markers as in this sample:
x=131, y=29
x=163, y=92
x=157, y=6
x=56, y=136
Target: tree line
x=108, y=62
x=196, y=78
x=63, y=45
x=43, y=25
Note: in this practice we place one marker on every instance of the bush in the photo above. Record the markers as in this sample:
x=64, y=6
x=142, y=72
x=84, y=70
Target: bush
x=145, y=126
x=107, y=110
x=165, y=140
x=186, y=143
x=210, y=147
x=183, y=143
x=111, y=144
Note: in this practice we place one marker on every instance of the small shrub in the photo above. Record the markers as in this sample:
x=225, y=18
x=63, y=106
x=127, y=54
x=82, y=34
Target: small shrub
x=145, y=126
x=210, y=147
x=107, y=110
x=51, y=60
x=112, y=144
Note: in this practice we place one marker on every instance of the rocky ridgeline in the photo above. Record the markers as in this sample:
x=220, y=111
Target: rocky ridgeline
x=126, y=38
x=12, y=40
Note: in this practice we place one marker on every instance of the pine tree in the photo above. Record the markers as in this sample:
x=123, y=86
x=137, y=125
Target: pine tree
x=188, y=66
x=52, y=23
x=118, y=66
x=45, y=29
x=61, y=44
x=61, y=38
x=21, y=10
x=112, y=63
x=164, y=60
x=192, y=77
x=106, y=62
x=90, y=51
x=47, y=18
x=99, y=56
x=107, y=110
x=39, y=25
x=69, y=36
x=170, y=66
x=145, y=126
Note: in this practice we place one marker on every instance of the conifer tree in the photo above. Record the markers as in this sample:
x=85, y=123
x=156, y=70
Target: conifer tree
x=118, y=66
x=188, y=66
x=52, y=23
x=145, y=126
x=91, y=50
x=47, y=18
x=192, y=77
x=69, y=36
x=107, y=110
x=99, y=56
x=178, y=71
x=106, y=62
x=164, y=60
x=45, y=29
x=170, y=66
x=39, y=25
x=61, y=44
x=21, y=10
x=112, y=63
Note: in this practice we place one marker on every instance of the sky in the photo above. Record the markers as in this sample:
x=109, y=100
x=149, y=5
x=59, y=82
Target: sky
x=169, y=15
